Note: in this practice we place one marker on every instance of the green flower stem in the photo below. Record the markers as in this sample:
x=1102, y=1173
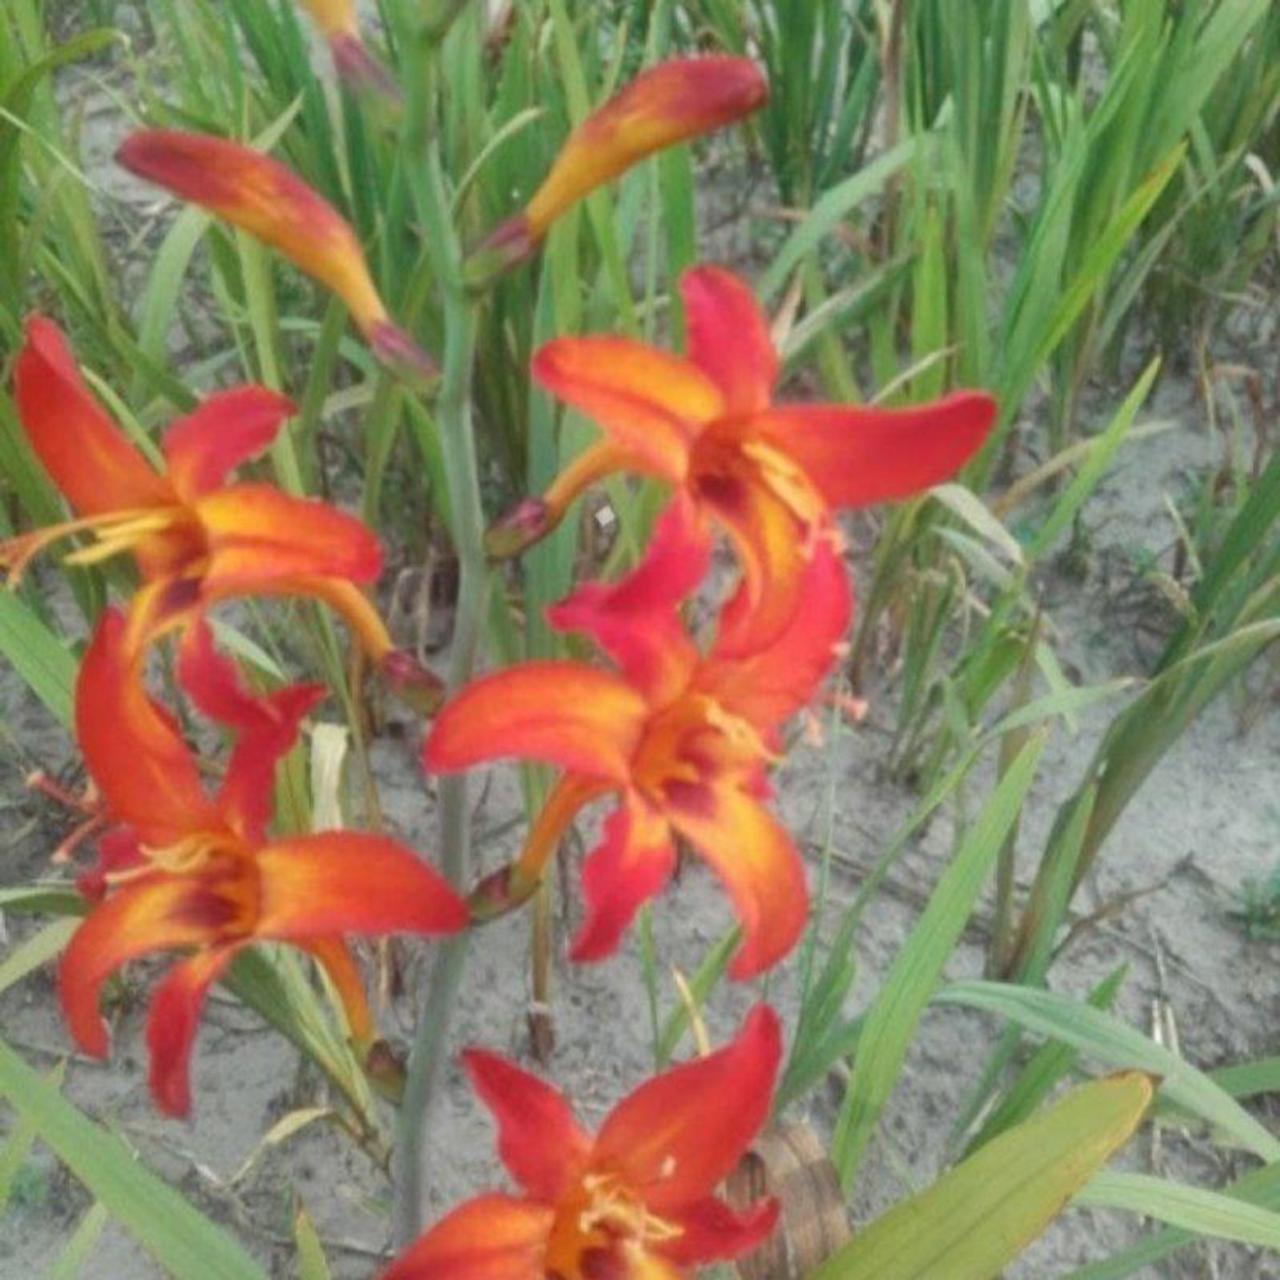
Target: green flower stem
x=429, y=1054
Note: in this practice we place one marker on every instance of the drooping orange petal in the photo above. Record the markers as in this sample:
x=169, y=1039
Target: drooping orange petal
x=84, y=452
x=493, y=1237
x=710, y=1231
x=755, y=857
x=338, y=962
x=346, y=882
x=268, y=200
x=563, y=713
x=266, y=727
x=646, y=400
x=570, y=794
x=767, y=686
x=134, y=752
x=675, y=100
x=772, y=542
x=158, y=913
x=679, y=1134
x=632, y=864
x=637, y=621
x=539, y=1140
x=258, y=535
x=729, y=338
x=858, y=456
x=228, y=428
x=172, y=1022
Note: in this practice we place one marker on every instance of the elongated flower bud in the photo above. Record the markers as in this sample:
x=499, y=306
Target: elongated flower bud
x=265, y=198
x=669, y=103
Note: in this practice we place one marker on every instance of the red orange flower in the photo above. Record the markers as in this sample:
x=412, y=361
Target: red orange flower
x=252, y=191
x=770, y=474
x=682, y=738
x=636, y=1201
x=675, y=100
x=197, y=873
x=196, y=539
x=340, y=26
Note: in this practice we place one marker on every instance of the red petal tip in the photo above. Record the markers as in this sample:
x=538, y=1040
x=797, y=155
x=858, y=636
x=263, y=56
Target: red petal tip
x=413, y=684
x=512, y=243
x=399, y=354
x=357, y=67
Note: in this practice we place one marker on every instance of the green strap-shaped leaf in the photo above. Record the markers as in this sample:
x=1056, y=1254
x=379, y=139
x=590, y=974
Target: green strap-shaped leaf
x=976, y=1219
x=181, y=1239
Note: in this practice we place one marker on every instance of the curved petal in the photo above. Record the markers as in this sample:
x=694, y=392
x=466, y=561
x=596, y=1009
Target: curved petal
x=636, y=621
x=134, y=752
x=571, y=793
x=267, y=727
x=228, y=428
x=710, y=1231
x=172, y=1023
x=858, y=456
x=158, y=913
x=493, y=1237
x=755, y=857
x=632, y=864
x=539, y=1140
x=676, y=99
x=678, y=1135
x=646, y=400
x=86, y=454
x=344, y=972
x=638, y=1263
x=345, y=882
x=768, y=686
x=729, y=338
x=561, y=713
x=772, y=543
x=257, y=534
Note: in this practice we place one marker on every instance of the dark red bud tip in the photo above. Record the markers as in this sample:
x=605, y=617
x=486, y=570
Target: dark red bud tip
x=511, y=244
x=357, y=67
x=519, y=529
x=499, y=893
x=386, y=1070
x=411, y=682
x=398, y=352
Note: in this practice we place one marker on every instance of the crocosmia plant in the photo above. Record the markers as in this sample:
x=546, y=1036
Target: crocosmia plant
x=438, y=438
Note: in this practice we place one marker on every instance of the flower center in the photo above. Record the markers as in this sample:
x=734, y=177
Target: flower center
x=600, y=1229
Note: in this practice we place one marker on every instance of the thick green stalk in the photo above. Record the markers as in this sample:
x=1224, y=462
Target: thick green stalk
x=429, y=1053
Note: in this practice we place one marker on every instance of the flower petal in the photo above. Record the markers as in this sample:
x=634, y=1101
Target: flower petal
x=858, y=456
x=267, y=727
x=636, y=621
x=227, y=428
x=678, y=1135
x=768, y=686
x=711, y=1231
x=729, y=338
x=677, y=99
x=345, y=882
x=86, y=454
x=539, y=1140
x=493, y=1237
x=344, y=972
x=157, y=913
x=268, y=200
x=645, y=400
x=632, y=864
x=259, y=535
x=172, y=1023
x=752, y=853
x=772, y=542
x=561, y=713
x=134, y=752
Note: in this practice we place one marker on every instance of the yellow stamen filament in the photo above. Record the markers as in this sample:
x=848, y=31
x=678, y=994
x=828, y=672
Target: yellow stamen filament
x=741, y=734
x=184, y=857
x=617, y=1211
x=788, y=481
x=115, y=531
